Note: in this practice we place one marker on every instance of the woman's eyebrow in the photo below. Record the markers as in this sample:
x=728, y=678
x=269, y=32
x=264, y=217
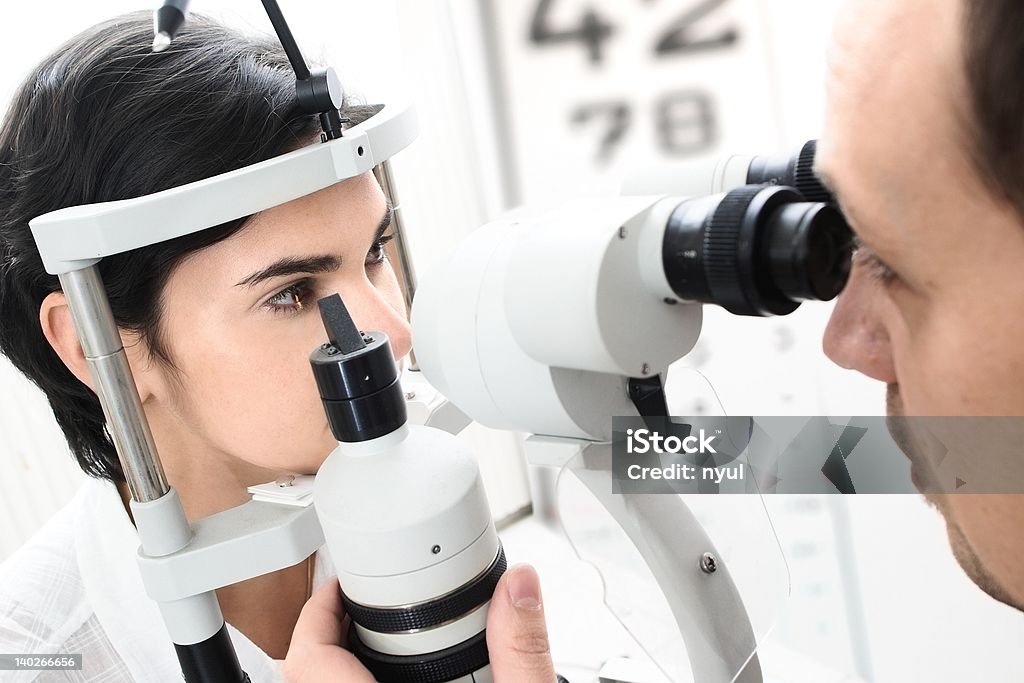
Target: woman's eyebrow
x=385, y=221
x=292, y=265
x=308, y=265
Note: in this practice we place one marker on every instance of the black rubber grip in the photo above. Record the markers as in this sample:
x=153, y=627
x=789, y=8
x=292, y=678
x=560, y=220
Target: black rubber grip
x=432, y=667
x=721, y=249
x=428, y=614
x=806, y=180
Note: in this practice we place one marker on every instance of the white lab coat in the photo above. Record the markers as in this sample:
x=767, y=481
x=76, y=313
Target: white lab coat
x=75, y=587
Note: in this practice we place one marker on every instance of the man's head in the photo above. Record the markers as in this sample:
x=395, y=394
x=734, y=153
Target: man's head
x=924, y=145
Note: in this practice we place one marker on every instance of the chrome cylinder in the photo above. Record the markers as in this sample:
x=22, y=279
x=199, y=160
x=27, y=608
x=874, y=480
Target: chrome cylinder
x=406, y=271
x=114, y=384
x=401, y=253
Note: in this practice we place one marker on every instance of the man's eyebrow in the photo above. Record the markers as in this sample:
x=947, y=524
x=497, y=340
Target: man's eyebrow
x=308, y=265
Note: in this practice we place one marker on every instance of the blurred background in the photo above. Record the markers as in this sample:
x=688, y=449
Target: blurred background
x=533, y=101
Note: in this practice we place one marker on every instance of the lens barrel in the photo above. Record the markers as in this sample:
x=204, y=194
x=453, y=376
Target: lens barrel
x=462, y=657
x=757, y=251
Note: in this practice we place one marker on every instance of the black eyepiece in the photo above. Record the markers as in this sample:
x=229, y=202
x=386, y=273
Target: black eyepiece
x=796, y=171
x=757, y=251
x=809, y=251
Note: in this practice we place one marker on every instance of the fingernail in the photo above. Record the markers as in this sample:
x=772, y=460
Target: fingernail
x=524, y=587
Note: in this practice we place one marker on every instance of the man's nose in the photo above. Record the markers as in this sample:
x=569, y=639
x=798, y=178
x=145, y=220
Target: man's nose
x=856, y=337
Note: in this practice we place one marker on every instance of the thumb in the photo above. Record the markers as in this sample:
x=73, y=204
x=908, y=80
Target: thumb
x=517, y=636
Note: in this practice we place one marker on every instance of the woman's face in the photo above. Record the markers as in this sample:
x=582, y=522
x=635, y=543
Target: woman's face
x=240, y=320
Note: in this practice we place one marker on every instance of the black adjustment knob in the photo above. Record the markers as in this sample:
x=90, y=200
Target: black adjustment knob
x=724, y=248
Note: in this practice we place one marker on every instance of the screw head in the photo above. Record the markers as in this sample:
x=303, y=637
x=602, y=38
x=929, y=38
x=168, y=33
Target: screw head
x=285, y=482
x=708, y=563
x=410, y=395
x=645, y=369
x=436, y=549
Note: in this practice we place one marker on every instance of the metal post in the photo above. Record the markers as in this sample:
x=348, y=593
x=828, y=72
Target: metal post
x=406, y=272
x=115, y=385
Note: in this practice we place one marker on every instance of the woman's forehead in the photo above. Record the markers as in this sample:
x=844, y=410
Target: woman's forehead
x=331, y=222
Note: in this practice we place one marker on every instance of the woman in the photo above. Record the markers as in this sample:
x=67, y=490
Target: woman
x=217, y=326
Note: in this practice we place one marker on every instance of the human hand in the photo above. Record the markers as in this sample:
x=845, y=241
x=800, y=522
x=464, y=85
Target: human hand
x=517, y=639
x=315, y=654
x=517, y=634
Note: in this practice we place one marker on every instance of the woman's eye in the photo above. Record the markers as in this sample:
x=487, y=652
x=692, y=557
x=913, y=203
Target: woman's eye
x=291, y=299
x=377, y=255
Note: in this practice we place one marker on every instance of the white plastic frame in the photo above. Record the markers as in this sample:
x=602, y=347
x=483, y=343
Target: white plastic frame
x=77, y=237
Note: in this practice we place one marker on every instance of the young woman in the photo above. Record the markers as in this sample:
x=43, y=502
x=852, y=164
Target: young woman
x=217, y=326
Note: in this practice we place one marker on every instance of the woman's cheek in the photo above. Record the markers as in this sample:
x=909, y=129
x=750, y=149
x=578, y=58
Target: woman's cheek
x=289, y=403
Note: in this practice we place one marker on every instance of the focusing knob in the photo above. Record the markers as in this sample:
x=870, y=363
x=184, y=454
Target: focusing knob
x=722, y=250
x=806, y=180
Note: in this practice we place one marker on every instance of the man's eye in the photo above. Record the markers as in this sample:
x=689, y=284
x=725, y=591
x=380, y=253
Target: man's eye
x=377, y=256
x=877, y=269
x=881, y=272
x=291, y=299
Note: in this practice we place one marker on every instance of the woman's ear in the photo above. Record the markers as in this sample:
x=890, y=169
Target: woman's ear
x=59, y=330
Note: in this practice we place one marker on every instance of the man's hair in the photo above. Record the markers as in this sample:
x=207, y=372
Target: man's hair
x=994, y=43
x=102, y=119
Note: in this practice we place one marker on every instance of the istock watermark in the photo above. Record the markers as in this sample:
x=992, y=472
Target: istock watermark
x=818, y=455
x=645, y=440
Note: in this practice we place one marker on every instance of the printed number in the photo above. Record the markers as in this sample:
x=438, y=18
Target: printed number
x=686, y=123
x=618, y=115
x=679, y=37
x=592, y=31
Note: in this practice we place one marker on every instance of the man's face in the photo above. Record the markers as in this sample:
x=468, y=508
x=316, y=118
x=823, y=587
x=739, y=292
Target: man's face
x=935, y=303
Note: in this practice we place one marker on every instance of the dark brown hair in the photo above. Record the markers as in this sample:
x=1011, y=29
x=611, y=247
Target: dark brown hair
x=994, y=43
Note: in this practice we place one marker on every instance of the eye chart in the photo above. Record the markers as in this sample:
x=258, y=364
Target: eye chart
x=592, y=87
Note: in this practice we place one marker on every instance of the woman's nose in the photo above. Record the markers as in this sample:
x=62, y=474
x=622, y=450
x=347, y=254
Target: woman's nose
x=371, y=309
x=856, y=337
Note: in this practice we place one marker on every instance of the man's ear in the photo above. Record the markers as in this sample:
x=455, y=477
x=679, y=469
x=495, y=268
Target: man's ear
x=59, y=330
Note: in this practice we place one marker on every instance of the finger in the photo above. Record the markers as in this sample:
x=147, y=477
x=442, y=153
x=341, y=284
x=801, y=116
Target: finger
x=314, y=654
x=320, y=620
x=517, y=635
